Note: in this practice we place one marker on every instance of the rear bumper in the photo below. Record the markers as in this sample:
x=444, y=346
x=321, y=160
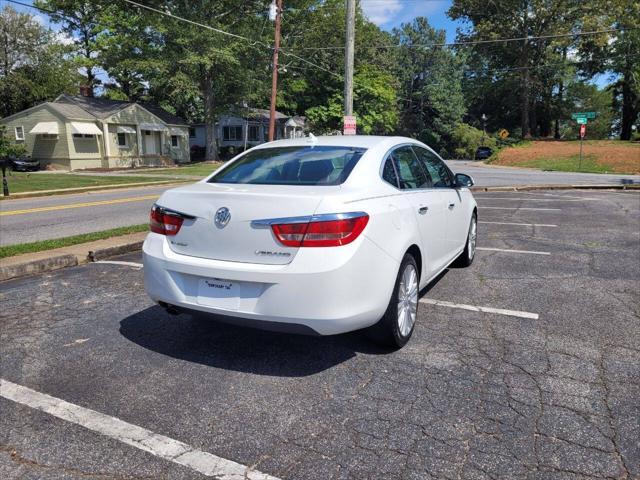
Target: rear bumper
x=323, y=290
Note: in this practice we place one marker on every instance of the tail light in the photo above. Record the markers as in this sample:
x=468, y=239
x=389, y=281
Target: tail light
x=321, y=230
x=165, y=222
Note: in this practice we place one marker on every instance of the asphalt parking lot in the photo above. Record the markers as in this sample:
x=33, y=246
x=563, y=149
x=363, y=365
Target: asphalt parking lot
x=541, y=382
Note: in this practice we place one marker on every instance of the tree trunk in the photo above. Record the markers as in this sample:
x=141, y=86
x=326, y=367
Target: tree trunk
x=210, y=120
x=629, y=107
x=524, y=103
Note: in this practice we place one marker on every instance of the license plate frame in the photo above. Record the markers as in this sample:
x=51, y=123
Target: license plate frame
x=219, y=293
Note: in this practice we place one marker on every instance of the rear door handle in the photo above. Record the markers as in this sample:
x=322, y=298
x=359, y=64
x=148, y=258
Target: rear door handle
x=423, y=210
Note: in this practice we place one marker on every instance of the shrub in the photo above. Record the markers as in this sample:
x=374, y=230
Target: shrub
x=466, y=140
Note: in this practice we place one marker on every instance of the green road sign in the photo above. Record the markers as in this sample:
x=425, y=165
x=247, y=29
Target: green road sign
x=578, y=115
x=581, y=120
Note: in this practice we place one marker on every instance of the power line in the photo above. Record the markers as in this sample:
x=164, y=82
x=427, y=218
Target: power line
x=477, y=42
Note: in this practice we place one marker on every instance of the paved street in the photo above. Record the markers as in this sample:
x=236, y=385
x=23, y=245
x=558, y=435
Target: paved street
x=34, y=219
x=546, y=387
x=493, y=176
x=57, y=216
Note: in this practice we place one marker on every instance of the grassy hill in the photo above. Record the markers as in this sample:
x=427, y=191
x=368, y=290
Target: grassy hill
x=598, y=156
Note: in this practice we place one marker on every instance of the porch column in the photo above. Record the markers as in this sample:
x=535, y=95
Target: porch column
x=106, y=139
x=139, y=140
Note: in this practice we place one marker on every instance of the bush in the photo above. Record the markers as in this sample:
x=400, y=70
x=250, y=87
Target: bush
x=466, y=140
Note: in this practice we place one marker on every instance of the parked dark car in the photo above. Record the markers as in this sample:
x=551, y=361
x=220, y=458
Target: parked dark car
x=24, y=163
x=482, y=153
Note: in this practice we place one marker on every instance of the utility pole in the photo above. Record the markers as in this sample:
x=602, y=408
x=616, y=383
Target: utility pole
x=348, y=57
x=274, y=75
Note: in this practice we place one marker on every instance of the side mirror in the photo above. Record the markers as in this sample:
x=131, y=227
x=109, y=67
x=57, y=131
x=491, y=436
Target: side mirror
x=463, y=180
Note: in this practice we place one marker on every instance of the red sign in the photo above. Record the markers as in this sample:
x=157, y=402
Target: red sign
x=583, y=130
x=349, y=125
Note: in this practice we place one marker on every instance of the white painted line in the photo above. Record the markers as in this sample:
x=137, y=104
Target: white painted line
x=133, y=435
x=541, y=199
x=116, y=262
x=520, y=224
x=522, y=208
x=533, y=252
x=473, y=308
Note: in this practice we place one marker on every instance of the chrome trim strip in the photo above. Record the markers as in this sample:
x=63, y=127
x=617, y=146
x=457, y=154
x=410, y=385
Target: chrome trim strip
x=322, y=217
x=175, y=213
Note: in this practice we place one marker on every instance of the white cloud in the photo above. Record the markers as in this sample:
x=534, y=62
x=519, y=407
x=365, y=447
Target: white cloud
x=63, y=38
x=381, y=12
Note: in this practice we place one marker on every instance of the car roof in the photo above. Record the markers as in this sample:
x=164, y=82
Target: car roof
x=358, y=141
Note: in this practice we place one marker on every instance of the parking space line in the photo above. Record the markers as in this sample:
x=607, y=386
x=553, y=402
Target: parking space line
x=520, y=224
x=117, y=262
x=522, y=208
x=133, y=435
x=533, y=252
x=473, y=308
x=541, y=199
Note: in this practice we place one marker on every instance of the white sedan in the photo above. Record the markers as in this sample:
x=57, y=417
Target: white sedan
x=313, y=235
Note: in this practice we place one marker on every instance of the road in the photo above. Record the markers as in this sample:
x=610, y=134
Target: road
x=44, y=218
x=474, y=395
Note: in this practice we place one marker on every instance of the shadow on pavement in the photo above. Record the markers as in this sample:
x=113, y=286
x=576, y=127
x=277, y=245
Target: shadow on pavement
x=202, y=339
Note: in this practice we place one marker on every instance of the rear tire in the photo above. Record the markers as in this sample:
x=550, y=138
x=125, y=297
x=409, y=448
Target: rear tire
x=469, y=253
x=396, y=326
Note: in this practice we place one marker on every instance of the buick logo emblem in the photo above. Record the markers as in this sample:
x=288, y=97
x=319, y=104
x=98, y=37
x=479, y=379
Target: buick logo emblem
x=222, y=217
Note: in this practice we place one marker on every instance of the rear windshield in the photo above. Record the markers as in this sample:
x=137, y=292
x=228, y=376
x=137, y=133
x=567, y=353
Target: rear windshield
x=308, y=165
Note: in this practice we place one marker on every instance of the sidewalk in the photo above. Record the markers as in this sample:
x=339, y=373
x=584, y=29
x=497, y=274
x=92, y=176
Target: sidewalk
x=48, y=260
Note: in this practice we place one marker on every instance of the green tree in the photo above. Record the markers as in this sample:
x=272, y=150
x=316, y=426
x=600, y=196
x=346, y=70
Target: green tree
x=616, y=53
x=35, y=67
x=432, y=102
x=534, y=66
x=80, y=21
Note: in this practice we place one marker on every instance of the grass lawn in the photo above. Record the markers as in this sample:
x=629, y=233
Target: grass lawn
x=10, y=250
x=31, y=182
x=599, y=156
x=198, y=169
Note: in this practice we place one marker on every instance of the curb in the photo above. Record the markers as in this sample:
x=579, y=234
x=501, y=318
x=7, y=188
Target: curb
x=630, y=186
x=102, y=253
x=37, y=266
x=56, y=262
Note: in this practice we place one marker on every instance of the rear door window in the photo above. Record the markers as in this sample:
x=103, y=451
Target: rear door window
x=410, y=171
x=438, y=171
x=304, y=165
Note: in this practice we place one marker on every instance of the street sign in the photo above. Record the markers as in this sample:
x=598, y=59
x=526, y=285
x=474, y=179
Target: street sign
x=581, y=120
x=578, y=115
x=503, y=133
x=349, y=125
x=583, y=130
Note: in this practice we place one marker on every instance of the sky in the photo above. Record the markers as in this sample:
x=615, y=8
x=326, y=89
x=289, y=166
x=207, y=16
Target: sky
x=391, y=13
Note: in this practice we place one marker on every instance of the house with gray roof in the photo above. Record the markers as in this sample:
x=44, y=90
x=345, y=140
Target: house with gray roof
x=247, y=128
x=77, y=132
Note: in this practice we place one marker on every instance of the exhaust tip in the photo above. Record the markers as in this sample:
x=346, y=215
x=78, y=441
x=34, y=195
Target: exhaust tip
x=170, y=309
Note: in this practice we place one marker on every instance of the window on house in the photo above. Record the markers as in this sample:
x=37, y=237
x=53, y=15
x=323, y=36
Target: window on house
x=192, y=132
x=49, y=136
x=20, y=133
x=232, y=133
x=81, y=135
x=174, y=140
x=254, y=133
x=122, y=139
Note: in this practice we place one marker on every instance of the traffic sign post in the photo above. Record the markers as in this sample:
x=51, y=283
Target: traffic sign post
x=581, y=120
x=583, y=132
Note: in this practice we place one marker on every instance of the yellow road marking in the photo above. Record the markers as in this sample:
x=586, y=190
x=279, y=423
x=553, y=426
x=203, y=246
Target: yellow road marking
x=78, y=205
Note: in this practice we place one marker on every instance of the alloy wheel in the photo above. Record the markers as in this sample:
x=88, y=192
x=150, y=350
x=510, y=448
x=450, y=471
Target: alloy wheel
x=407, y=300
x=473, y=234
